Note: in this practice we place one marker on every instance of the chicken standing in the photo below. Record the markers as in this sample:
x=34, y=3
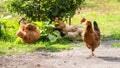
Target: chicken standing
x=91, y=36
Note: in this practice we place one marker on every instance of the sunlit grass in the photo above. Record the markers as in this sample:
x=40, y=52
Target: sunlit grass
x=116, y=45
x=8, y=48
x=105, y=12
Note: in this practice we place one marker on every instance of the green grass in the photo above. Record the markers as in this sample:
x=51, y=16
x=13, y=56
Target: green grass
x=18, y=47
x=106, y=13
x=116, y=45
x=8, y=48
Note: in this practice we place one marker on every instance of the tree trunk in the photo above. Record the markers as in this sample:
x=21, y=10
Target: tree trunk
x=38, y=10
x=69, y=20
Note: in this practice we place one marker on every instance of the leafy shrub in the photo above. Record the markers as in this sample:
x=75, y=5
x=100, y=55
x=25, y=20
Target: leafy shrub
x=8, y=29
x=44, y=9
x=3, y=28
x=48, y=32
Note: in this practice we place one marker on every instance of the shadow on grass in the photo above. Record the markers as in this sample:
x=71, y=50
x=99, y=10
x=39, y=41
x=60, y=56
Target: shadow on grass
x=62, y=41
x=113, y=36
x=110, y=58
x=59, y=45
x=2, y=52
x=118, y=0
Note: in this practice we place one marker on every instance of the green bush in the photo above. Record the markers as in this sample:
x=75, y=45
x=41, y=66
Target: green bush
x=47, y=10
x=1, y=31
x=8, y=29
x=47, y=31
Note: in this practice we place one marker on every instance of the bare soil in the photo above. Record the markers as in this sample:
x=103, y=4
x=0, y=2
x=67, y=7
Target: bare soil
x=106, y=57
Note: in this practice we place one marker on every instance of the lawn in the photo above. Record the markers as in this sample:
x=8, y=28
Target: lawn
x=116, y=45
x=105, y=12
x=17, y=47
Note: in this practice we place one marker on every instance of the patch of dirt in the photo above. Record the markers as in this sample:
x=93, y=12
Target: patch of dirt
x=106, y=57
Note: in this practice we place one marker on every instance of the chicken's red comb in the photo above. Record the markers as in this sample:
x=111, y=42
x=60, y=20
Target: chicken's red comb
x=83, y=20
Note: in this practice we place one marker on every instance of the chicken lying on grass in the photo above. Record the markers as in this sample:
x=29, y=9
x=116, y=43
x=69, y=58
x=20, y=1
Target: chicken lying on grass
x=28, y=32
x=73, y=28
x=73, y=32
x=74, y=35
x=91, y=36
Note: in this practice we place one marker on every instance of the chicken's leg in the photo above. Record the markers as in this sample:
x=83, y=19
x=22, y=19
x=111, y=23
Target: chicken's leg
x=92, y=54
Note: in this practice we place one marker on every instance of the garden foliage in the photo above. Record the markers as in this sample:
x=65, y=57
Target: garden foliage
x=47, y=10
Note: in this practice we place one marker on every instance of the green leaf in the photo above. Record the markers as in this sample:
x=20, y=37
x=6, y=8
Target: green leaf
x=74, y=1
x=51, y=25
x=38, y=23
x=52, y=38
x=57, y=33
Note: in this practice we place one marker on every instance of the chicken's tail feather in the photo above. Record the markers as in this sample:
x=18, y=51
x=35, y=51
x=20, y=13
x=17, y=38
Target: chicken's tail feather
x=22, y=20
x=96, y=26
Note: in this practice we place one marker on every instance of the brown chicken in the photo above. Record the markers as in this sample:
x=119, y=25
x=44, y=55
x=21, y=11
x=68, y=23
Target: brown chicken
x=61, y=25
x=74, y=35
x=91, y=36
x=28, y=32
x=74, y=28
x=22, y=24
x=73, y=32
